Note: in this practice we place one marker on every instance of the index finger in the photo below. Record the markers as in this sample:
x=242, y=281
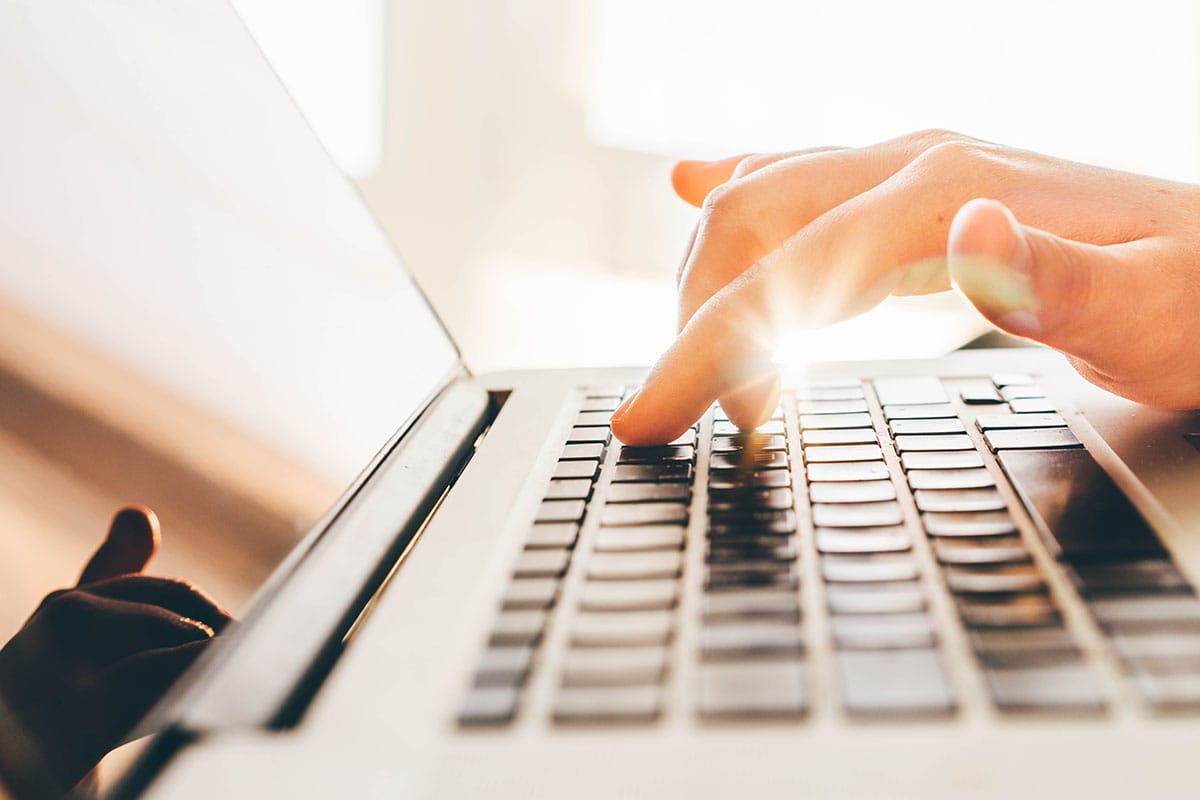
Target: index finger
x=725, y=348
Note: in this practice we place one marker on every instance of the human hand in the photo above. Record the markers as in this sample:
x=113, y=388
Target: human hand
x=91, y=660
x=1099, y=264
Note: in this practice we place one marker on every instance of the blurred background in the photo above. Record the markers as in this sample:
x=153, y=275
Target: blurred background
x=518, y=152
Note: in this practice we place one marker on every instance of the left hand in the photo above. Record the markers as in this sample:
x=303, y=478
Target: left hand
x=91, y=660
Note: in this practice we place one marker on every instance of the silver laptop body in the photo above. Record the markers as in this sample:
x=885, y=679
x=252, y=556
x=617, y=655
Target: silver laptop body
x=969, y=576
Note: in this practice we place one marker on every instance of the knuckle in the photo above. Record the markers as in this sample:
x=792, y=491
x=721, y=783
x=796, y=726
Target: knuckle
x=752, y=163
x=949, y=160
x=931, y=137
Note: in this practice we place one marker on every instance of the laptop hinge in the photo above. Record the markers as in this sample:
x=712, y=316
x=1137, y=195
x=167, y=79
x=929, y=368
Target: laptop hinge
x=288, y=641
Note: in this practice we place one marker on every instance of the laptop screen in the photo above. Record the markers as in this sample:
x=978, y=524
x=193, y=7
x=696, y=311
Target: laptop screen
x=197, y=311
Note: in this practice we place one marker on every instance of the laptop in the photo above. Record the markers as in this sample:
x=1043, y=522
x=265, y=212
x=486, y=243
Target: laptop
x=965, y=576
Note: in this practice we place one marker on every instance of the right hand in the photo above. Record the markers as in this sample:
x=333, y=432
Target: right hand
x=1102, y=265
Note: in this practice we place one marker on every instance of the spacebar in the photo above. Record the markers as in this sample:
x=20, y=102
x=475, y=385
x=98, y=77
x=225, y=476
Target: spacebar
x=1078, y=510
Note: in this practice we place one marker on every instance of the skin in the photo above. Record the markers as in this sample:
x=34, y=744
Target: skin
x=1099, y=264
x=94, y=658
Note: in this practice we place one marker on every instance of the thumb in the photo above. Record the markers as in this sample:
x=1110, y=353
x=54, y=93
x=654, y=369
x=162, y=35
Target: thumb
x=1070, y=295
x=133, y=538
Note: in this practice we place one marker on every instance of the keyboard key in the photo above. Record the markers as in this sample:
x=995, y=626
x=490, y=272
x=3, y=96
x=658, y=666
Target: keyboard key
x=1141, y=613
x=869, y=568
x=560, y=510
x=748, y=441
x=552, y=536
x=821, y=436
x=644, y=514
x=504, y=666
x=1019, y=611
x=953, y=441
x=1003, y=379
x=609, y=404
x=575, y=489
x=727, y=428
x=987, y=422
x=857, y=515
x=940, y=410
x=853, y=406
x=576, y=470
x=530, y=593
x=847, y=392
x=1013, y=646
x=1011, y=579
x=909, y=391
x=489, y=705
x=896, y=597
x=593, y=418
x=517, y=628
x=588, y=436
x=614, y=666
x=750, y=639
x=1078, y=510
x=1159, y=652
x=649, y=492
x=957, y=500
x=882, y=631
x=978, y=393
x=974, y=478
x=893, y=539
x=1169, y=691
x=751, y=548
x=848, y=471
x=907, y=427
x=1022, y=391
x=719, y=414
x=738, y=499
x=849, y=452
x=653, y=473
x=1143, y=576
x=639, y=539
x=1067, y=686
x=750, y=574
x=752, y=689
x=962, y=459
x=730, y=480
x=685, y=439
x=748, y=459
x=621, y=629
x=627, y=704
x=1030, y=439
x=648, y=455
x=989, y=550
x=633, y=566
x=829, y=421
x=575, y=452
x=542, y=564
x=978, y=523
x=893, y=682
x=1031, y=405
x=852, y=492
x=742, y=604
x=752, y=523
x=628, y=595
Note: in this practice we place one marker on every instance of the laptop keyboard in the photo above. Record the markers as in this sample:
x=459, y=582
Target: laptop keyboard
x=862, y=487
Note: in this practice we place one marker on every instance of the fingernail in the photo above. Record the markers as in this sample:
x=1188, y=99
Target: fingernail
x=626, y=404
x=1000, y=283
